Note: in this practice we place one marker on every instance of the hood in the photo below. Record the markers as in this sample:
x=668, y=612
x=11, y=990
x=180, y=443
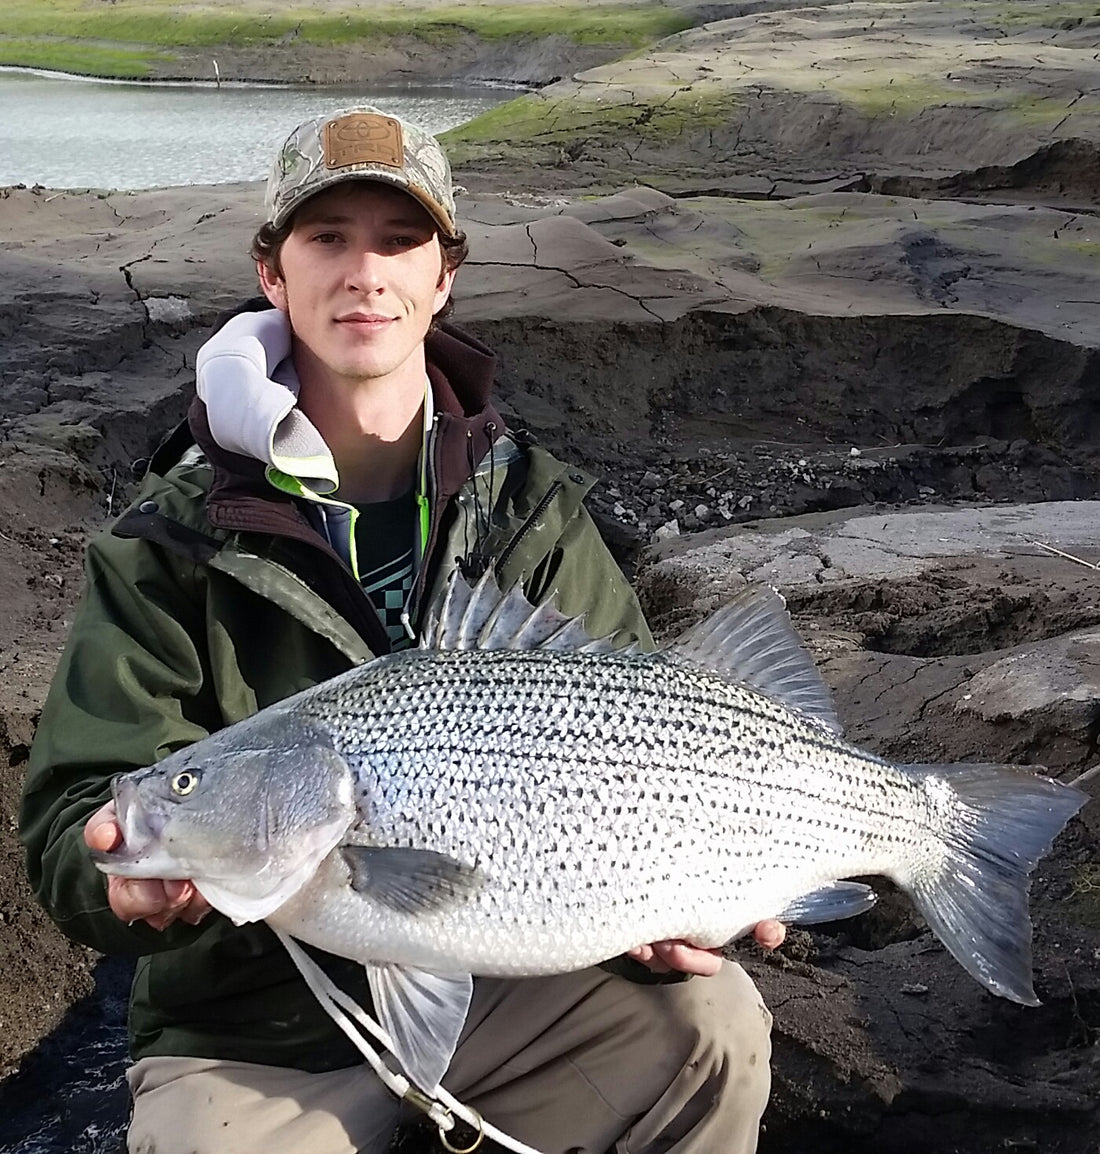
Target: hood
x=246, y=420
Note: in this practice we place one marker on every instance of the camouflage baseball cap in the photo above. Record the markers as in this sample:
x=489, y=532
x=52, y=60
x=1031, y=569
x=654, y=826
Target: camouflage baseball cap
x=360, y=144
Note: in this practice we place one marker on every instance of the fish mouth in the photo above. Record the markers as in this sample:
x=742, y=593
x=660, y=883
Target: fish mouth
x=140, y=853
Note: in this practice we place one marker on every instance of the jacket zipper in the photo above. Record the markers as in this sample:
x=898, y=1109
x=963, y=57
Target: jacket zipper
x=423, y=547
x=525, y=528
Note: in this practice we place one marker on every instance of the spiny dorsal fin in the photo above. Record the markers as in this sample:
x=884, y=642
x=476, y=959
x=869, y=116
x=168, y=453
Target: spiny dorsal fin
x=482, y=617
x=751, y=640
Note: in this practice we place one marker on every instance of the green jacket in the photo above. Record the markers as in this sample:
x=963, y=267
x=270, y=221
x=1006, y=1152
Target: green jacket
x=186, y=626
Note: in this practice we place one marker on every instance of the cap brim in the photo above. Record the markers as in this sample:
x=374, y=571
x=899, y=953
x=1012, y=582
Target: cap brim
x=381, y=176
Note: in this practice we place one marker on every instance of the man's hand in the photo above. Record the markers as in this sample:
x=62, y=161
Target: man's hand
x=152, y=900
x=663, y=957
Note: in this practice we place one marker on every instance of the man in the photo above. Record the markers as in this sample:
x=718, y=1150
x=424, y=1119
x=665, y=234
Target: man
x=341, y=458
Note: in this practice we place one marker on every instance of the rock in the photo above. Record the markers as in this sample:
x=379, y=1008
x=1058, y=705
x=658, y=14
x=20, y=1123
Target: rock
x=910, y=98
x=1052, y=686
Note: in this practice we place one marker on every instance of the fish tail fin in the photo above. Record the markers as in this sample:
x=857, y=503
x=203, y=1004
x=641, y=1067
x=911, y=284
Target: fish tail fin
x=999, y=821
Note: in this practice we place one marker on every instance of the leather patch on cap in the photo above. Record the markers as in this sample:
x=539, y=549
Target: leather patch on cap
x=364, y=138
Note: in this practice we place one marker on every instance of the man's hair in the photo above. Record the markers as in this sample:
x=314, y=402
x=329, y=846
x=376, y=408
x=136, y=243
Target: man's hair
x=267, y=246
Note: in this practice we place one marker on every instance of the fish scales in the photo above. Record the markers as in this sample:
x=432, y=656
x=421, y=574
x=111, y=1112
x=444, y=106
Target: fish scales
x=514, y=798
x=711, y=774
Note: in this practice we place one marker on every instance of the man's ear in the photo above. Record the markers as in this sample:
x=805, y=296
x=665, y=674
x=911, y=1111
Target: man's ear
x=273, y=285
x=443, y=289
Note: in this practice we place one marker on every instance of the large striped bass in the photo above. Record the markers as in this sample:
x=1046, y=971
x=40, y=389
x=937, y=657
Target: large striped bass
x=516, y=798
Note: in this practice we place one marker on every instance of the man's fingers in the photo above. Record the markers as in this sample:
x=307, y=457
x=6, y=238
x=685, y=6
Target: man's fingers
x=689, y=959
x=661, y=957
x=179, y=892
x=157, y=902
x=770, y=934
x=134, y=899
x=195, y=913
x=192, y=907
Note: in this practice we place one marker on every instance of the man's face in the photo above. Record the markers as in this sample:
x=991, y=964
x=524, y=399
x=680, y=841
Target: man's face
x=361, y=280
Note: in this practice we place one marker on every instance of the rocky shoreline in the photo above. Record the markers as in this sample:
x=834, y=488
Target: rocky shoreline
x=876, y=392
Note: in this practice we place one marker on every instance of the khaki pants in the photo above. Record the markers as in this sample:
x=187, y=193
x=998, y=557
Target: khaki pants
x=577, y=1063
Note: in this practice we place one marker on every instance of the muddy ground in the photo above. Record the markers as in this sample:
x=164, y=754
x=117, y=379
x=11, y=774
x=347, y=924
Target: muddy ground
x=710, y=419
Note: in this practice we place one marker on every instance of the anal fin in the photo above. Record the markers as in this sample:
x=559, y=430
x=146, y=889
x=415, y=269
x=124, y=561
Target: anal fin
x=829, y=904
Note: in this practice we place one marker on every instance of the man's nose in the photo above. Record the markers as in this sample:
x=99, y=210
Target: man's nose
x=365, y=272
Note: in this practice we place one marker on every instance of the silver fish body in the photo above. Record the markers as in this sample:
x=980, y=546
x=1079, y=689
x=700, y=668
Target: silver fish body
x=516, y=798
x=605, y=802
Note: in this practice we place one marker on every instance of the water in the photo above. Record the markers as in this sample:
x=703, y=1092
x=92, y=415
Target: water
x=70, y=133
x=69, y=1095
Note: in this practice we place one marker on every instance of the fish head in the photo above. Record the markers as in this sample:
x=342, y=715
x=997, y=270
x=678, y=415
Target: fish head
x=247, y=816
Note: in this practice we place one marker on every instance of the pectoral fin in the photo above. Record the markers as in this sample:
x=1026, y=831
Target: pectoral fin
x=423, y=1013
x=829, y=904
x=410, y=881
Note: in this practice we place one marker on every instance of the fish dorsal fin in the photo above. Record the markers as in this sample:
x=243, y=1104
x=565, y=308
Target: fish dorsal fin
x=481, y=617
x=423, y=1013
x=751, y=640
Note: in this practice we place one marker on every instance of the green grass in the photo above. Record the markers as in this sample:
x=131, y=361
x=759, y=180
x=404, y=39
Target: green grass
x=906, y=96
x=1084, y=898
x=902, y=97
x=1086, y=248
x=533, y=121
x=1016, y=15
x=161, y=24
x=1046, y=112
x=87, y=59
x=127, y=38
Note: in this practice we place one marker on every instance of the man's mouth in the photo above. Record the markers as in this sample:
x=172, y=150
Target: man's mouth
x=368, y=320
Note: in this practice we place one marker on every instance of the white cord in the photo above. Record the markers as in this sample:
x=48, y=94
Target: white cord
x=440, y=1106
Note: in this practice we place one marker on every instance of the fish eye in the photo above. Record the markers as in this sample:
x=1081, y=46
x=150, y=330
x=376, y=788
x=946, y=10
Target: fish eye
x=185, y=782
